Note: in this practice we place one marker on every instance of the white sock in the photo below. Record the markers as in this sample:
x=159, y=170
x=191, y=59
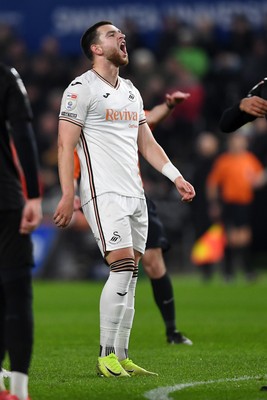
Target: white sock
x=2, y=384
x=113, y=302
x=123, y=337
x=19, y=385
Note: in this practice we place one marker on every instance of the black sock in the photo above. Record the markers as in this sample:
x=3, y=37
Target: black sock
x=163, y=295
x=246, y=261
x=228, y=263
x=19, y=322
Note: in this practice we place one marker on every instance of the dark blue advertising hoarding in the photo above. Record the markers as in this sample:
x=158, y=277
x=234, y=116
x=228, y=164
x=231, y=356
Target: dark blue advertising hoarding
x=67, y=19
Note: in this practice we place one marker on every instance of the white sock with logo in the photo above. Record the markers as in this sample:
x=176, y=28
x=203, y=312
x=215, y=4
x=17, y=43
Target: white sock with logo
x=123, y=337
x=113, y=303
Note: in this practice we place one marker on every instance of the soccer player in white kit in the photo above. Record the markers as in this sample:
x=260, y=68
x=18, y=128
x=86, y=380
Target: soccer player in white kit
x=102, y=116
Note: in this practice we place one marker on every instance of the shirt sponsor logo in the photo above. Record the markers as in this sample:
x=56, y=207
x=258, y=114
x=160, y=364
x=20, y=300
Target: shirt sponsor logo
x=115, y=115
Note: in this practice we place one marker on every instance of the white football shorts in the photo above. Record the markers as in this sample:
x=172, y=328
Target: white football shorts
x=117, y=222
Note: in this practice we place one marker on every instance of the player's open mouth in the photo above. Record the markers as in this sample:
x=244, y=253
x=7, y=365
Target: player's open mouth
x=123, y=48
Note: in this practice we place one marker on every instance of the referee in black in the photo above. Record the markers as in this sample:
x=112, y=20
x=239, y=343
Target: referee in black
x=20, y=214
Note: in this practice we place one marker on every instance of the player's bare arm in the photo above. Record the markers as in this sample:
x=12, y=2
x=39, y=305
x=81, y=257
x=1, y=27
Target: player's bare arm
x=68, y=136
x=254, y=105
x=156, y=156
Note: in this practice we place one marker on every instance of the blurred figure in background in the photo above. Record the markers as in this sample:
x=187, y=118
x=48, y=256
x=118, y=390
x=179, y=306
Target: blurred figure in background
x=230, y=186
x=206, y=150
x=157, y=241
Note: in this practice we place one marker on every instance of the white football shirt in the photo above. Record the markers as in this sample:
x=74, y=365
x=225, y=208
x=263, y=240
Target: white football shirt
x=109, y=118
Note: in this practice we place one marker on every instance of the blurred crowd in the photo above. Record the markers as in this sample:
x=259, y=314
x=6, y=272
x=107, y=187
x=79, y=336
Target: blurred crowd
x=217, y=67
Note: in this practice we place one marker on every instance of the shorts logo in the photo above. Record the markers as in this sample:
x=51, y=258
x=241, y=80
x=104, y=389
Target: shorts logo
x=116, y=238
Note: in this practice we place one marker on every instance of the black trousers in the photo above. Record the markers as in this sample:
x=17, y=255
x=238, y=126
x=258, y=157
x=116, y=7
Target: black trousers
x=16, y=315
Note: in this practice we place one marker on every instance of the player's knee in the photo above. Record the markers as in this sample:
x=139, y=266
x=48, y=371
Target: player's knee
x=125, y=264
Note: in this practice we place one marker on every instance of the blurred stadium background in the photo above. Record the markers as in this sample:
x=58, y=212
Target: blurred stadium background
x=216, y=50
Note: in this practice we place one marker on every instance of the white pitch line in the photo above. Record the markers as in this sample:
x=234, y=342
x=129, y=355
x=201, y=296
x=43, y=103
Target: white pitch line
x=162, y=393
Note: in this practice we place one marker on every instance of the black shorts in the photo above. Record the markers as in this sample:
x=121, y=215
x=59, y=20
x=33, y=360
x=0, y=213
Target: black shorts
x=156, y=232
x=236, y=215
x=16, y=250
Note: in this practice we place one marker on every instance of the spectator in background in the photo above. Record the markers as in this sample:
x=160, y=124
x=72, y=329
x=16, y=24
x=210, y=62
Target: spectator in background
x=206, y=150
x=186, y=119
x=157, y=242
x=168, y=36
x=19, y=216
x=241, y=35
x=189, y=54
x=230, y=186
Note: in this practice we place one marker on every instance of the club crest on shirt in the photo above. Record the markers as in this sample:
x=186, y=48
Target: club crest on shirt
x=131, y=96
x=71, y=101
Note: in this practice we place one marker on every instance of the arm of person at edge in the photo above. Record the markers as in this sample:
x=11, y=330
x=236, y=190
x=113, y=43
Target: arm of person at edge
x=23, y=137
x=156, y=156
x=68, y=136
x=163, y=110
x=32, y=211
x=246, y=110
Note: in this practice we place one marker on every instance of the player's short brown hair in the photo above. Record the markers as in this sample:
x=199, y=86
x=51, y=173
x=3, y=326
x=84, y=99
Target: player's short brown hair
x=90, y=36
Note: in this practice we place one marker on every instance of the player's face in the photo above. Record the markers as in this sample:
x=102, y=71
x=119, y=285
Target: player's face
x=113, y=44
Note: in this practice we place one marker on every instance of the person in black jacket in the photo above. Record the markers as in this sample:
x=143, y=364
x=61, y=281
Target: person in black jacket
x=251, y=107
x=20, y=214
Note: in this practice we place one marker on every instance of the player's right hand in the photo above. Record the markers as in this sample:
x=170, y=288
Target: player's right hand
x=254, y=105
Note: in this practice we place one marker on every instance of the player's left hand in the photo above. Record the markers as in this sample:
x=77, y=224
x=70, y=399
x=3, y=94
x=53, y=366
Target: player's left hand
x=185, y=189
x=64, y=212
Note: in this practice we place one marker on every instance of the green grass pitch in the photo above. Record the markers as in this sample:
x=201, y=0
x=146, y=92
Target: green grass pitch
x=227, y=323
